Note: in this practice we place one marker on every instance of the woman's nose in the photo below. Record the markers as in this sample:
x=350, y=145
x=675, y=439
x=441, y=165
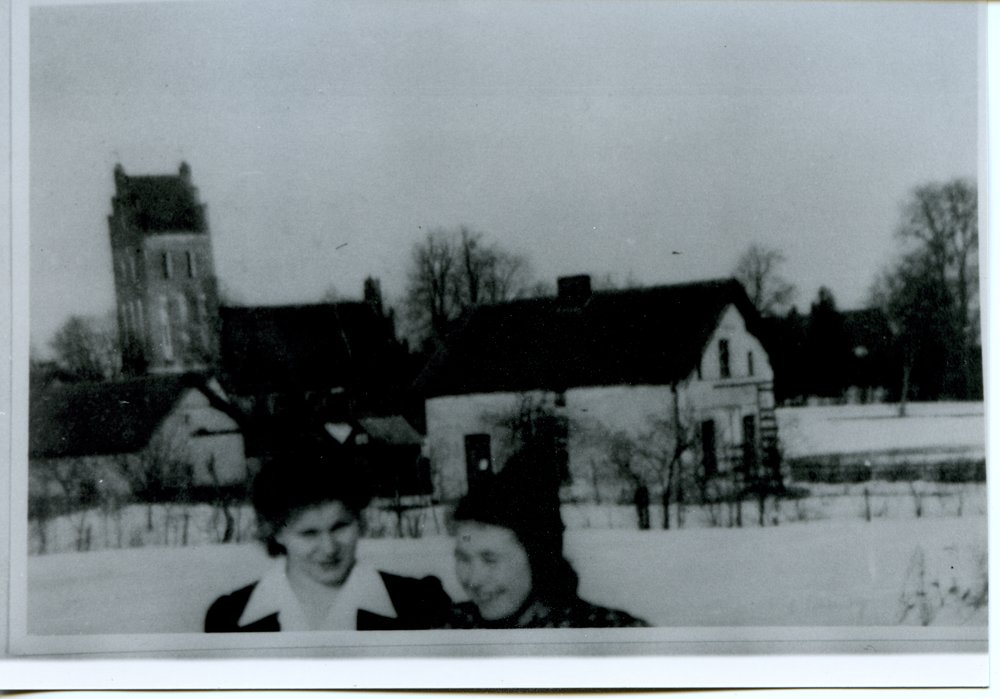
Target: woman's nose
x=476, y=575
x=328, y=543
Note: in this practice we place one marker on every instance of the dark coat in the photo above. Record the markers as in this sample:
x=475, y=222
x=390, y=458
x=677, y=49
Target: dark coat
x=420, y=604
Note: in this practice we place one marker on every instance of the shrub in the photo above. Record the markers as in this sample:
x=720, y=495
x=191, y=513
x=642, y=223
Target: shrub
x=960, y=472
x=831, y=472
x=901, y=472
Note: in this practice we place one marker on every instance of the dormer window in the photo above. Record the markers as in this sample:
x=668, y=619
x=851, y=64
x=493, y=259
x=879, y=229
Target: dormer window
x=749, y=363
x=724, y=359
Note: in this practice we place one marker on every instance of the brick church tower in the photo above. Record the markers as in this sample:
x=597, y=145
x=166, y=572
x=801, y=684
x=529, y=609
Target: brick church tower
x=168, y=301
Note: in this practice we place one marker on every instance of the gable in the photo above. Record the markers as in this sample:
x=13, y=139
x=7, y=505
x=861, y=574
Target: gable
x=740, y=343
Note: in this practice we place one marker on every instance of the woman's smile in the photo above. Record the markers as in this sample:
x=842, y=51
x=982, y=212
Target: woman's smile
x=493, y=568
x=320, y=544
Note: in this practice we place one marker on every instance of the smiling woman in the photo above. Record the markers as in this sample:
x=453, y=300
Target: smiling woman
x=509, y=556
x=308, y=516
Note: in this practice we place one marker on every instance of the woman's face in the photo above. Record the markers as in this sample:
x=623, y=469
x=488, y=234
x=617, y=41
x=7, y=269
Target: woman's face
x=493, y=568
x=320, y=543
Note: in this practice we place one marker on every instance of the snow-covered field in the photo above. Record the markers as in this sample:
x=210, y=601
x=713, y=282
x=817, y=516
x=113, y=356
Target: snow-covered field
x=929, y=430
x=826, y=573
x=872, y=553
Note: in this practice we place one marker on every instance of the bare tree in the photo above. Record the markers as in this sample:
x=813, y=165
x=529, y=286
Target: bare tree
x=431, y=290
x=158, y=474
x=86, y=348
x=621, y=459
x=758, y=271
x=453, y=270
x=663, y=447
x=79, y=491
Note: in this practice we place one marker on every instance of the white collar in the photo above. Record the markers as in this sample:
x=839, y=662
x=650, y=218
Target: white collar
x=363, y=589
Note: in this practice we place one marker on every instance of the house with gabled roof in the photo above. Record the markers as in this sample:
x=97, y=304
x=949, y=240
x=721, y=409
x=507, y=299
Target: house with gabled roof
x=119, y=427
x=604, y=362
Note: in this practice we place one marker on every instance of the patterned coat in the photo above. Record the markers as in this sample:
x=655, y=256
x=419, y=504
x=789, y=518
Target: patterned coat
x=577, y=614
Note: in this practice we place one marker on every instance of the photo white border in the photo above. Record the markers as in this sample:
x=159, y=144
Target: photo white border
x=899, y=657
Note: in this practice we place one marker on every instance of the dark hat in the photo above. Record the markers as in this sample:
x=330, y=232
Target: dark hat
x=524, y=498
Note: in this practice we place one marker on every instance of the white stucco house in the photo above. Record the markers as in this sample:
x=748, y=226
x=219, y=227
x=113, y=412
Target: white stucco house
x=172, y=422
x=603, y=363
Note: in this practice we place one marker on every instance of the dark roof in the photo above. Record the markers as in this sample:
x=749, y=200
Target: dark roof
x=160, y=203
x=651, y=336
x=394, y=430
x=96, y=418
x=279, y=348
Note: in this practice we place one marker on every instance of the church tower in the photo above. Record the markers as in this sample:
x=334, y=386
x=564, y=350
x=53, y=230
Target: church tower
x=168, y=301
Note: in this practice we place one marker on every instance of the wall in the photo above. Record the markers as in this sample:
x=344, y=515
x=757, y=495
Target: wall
x=449, y=420
x=194, y=413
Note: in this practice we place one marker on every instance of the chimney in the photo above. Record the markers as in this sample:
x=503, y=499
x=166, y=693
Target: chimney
x=574, y=290
x=373, y=294
x=120, y=178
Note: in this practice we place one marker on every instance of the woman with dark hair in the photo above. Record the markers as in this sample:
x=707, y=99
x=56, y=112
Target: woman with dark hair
x=509, y=557
x=309, y=518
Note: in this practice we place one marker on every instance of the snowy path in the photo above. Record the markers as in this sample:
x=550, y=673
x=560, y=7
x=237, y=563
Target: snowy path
x=827, y=573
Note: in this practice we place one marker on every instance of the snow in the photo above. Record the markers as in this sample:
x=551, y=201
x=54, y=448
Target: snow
x=865, y=554
x=820, y=573
x=955, y=429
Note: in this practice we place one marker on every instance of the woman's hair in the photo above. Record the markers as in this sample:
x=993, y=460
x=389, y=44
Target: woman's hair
x=289, y=484
x=524, y=498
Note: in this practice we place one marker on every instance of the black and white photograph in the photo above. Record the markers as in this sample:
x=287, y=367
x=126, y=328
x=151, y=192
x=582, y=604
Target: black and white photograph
x=481, y=329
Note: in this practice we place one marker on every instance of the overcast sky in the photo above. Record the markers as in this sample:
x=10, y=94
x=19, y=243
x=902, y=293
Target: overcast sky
x=326, y=138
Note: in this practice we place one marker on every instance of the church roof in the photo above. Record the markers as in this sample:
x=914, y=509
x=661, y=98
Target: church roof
x=160, y=203
x=309, y=347
x=647, y=336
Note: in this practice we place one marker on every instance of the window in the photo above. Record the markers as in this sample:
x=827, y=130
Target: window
x=708, y=458
x=202, y=313
x=182, y=309
x=123, y=310
x=478, y=464
x=168, y=271
x=201, y=317
x=749, y=363
x=191, y=264
x=724, y=359
x=749, y=444
x=167, y=339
